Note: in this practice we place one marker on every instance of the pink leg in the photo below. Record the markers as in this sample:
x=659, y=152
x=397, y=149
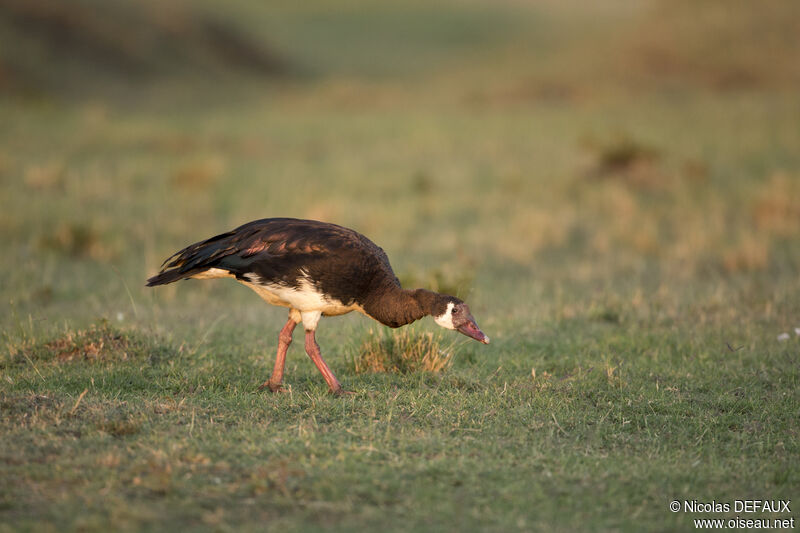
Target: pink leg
x=312, y=349
x=284, y=340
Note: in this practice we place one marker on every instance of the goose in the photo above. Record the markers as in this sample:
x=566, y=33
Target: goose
x=315, y=269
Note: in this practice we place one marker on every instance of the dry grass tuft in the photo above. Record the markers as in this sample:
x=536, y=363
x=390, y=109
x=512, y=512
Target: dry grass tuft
x=624, y=154
x=749, y=254
x=715, y=44
x=199, y=174
x=77, y=240
x=120, y=427
x=777, y=209
x=100, y=342
x=630, y=161
x=96, y=343
x=401, y=352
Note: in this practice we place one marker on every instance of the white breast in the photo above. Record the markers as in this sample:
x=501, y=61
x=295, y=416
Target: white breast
x=305, y=297
x=445, y=320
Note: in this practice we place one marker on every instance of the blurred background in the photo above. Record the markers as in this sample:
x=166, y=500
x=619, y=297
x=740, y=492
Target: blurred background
x=550, y=161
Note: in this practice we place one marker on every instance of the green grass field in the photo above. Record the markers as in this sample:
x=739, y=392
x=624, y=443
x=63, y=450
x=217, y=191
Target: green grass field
x=615, y=192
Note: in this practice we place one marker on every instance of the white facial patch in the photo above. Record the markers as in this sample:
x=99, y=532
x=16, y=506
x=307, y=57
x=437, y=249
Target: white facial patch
x=445, y=320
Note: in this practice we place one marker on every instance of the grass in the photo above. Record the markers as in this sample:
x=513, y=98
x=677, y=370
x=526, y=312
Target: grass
x=629, y=243
x=405, y=352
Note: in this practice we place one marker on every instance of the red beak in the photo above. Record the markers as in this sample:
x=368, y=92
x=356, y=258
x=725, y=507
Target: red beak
x=471, y=329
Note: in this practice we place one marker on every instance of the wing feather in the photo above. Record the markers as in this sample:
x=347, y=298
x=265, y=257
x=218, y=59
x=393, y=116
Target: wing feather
x=278, y=249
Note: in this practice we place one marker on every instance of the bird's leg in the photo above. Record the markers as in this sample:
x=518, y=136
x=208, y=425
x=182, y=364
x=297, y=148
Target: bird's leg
x=284, y=340
x=312, y=349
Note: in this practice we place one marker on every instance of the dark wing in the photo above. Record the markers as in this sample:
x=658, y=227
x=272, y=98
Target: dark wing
x=339, y=261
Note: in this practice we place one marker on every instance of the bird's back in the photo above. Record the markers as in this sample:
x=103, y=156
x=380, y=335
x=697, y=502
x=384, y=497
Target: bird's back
x=339, y=262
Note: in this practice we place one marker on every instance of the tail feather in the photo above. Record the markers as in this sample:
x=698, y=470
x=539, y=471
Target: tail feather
x=169, y=276
x=192, y=260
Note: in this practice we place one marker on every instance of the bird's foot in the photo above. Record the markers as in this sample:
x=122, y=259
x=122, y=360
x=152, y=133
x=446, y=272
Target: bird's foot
x=342, y=393
x=272, y=387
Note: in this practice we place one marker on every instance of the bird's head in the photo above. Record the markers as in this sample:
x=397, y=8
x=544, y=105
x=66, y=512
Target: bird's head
x=454, y=314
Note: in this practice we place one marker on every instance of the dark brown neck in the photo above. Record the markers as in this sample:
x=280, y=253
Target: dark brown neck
x=395, y=307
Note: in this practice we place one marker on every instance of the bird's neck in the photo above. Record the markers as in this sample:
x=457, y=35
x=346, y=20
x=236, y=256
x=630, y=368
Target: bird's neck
x=395, y=307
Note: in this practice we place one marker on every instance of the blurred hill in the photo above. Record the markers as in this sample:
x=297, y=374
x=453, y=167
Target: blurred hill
x=615, y=48
x=717, y=44
x=52, y=45
x=504, y=51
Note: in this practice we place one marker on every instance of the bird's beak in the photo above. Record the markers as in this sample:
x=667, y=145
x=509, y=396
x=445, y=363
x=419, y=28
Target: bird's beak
x=471, y=329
